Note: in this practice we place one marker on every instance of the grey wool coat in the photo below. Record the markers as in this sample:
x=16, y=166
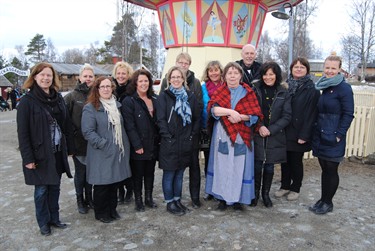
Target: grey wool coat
x=104, y=164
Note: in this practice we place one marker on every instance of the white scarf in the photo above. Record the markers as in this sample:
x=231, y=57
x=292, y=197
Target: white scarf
x=114, y=121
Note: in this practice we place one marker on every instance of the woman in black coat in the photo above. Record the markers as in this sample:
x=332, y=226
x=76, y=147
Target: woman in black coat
x=45, y=138
x=121, y=75
x=299, y=132
x=179, y=121
x=139, y=113
x=270, y=142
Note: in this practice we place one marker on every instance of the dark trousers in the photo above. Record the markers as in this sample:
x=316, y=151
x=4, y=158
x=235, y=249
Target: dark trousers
x=143, y=171
x=194, y=175
x=330, y=179
x=80, y=182
x=105, y=200
x=46, y=199
x=292, y=172
x=206, y=156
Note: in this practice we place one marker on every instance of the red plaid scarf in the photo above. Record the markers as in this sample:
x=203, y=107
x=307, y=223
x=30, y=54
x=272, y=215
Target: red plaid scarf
x=247, y=105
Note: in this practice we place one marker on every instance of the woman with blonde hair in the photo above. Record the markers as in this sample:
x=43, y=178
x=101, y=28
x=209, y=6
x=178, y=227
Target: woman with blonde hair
x=121, y=75
x=335, y=114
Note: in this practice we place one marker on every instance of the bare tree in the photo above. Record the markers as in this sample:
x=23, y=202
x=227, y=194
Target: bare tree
x=50, y=52
x=350, y=52
x=73, y=56
x=362, y=34
x=264, y=47
x=152, y=39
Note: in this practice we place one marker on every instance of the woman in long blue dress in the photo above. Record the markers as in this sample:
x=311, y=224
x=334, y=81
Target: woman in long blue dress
x=235, y=113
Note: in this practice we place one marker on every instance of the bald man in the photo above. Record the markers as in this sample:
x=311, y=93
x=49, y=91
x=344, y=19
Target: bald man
x=248, y=64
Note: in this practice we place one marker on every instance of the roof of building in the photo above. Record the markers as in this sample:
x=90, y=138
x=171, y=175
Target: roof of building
x=5, y=82
x=73, y=69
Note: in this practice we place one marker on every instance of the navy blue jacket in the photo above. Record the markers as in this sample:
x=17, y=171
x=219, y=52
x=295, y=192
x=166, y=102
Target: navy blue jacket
x=335, y=114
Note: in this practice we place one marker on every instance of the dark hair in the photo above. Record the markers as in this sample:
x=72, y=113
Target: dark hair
x=134, y=80
x=303, y=61
x=274, y=67
x=94, y=96
x=35, y=70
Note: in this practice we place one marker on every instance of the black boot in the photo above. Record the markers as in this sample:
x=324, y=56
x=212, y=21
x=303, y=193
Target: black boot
x=82, y=208
x=267, y=182
x=88, y=196
x=174, y=209
x=149, y=186
x=129, y=190
x=139, y=206
x=258, y=181
x=121, y=193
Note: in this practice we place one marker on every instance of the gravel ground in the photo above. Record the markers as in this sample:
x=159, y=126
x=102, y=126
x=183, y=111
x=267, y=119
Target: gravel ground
x=286, y=226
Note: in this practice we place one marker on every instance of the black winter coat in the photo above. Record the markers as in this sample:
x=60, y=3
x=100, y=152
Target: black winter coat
x=304, y=115
x=140, y=127
x=34, y=139
x=253, y=75
x=75, y=101
x=272, y=149
x=177, y=141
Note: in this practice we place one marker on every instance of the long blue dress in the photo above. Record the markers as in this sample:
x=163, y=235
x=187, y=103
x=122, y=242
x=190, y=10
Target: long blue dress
x=230, y=176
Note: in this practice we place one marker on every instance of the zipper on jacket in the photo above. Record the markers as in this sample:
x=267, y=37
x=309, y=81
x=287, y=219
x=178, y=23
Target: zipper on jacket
x=170, y=115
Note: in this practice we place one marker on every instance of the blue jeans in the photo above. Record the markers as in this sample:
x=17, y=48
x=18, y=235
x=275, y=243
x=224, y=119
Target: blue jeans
x=172, y=184
x=258, y=165
x=46, y=198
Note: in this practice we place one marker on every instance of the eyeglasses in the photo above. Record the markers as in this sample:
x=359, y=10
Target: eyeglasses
x=176, y=77
x=103, y=87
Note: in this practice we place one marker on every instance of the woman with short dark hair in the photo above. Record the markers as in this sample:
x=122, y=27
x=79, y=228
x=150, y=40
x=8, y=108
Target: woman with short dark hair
x=304, y=99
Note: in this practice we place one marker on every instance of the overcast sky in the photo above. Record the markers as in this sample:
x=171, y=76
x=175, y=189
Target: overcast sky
x=78, y=23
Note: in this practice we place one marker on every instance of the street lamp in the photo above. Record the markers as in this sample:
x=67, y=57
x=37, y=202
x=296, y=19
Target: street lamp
x=281, y=14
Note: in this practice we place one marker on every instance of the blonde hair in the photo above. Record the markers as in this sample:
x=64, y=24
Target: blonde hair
x=334, y=57
x=124, y=65
x=184, y=55
x=86, y=67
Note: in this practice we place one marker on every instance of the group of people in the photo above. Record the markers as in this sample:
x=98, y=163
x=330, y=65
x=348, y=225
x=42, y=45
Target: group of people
x=116, y=129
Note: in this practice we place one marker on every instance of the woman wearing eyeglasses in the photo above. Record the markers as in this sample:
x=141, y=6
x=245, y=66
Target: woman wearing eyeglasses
x=108, y=148
x=178, y=118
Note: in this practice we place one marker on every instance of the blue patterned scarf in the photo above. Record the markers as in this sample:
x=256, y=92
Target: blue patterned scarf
x=182, y=107
x=325, y=82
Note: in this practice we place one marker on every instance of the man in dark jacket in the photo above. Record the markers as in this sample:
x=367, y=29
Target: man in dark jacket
x=183, y=60
x=75, y=101
x=249, y=65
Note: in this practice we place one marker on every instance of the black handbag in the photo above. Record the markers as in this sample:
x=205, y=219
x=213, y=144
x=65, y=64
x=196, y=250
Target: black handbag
x=205, y=140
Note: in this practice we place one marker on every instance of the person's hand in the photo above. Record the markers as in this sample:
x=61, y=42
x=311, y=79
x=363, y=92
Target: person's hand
x=234, y=117
x=139, y=151
x=301, y=141
x=31, y=166
x=264, y=132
